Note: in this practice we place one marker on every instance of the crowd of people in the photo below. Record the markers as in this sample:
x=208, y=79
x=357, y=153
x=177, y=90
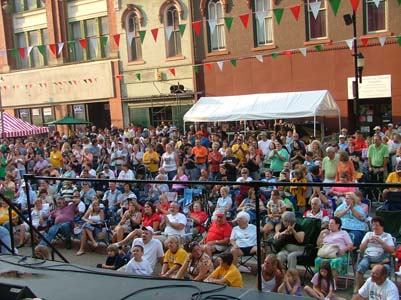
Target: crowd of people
x=156, y=220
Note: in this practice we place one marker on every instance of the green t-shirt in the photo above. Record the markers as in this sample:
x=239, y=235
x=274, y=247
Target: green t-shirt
x=377, y=154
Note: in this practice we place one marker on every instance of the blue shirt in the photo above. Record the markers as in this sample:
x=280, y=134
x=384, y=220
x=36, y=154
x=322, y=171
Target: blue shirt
x=349, y=221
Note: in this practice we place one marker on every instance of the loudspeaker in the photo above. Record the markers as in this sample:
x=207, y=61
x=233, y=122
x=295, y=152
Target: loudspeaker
x=15, y=292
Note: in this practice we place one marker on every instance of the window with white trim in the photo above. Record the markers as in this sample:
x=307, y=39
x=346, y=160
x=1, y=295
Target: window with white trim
x=316, y=28
x=217, y=39
x=375, y=16
x=133, y=37
x=172, y=22
x=263, y=22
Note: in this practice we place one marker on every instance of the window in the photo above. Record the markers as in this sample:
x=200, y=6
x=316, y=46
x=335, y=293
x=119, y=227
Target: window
x=375, y=17
x=35, y=57
x=316, y=28
x=133, y=38
x=22, y=5
x=217, y=40
x=104, y=32
x=263, y=22
x=22, y=63
x=91, y=39
x=25, y=115
x=172, y=22
x=76, y=51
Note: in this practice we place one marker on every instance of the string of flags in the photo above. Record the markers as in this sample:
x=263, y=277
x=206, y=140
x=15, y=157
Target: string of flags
x=47, y=84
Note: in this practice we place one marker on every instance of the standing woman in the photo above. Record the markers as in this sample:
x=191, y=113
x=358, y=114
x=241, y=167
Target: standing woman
x=345, y=165
x=278, y=157
x=170, y=161
x=252, y=162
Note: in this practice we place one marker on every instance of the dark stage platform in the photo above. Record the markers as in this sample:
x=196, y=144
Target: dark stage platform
x=59, y=281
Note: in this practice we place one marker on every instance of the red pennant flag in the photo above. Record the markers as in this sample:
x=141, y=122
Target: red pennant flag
x=117, y=39
x=75, y=82
x=83, y=43
x=295, y=11
x=288, y=53
x=355, y=4
x=22, y=52
x=330, y=43
x=197, y=27
x=208, y=66
x=172, y=71
x=155, y=31
x=119, y=77
x=90, y=80
x=364, y=41
x=53, y=48
x=60, y=83
x=244, y=19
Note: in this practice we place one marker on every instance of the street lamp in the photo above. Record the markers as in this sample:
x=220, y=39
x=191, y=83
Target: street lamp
x=359, y=62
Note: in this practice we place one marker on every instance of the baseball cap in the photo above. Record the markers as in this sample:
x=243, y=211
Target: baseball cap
x=342, y=136
x=377, y=128
x=148, y=228
x=390, y=125
x=220, y=213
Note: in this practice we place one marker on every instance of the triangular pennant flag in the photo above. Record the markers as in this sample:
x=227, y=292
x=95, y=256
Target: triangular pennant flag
x=93, y=44
x=212, y=25
x=119, y=77
x=197, y=27
x=53, y=48
x=319, y=47
x=154, y=32
x=377, y=3
x=60, y=47
x=335, y=4
x=399, y=40
x=274, y=55
x=104, y=39
x=169, y=31
x=138, y=76
x=244, y=19
x=260, y=17
x=142, y=34
x=259, y=58
x=172, y=71
x=83, y=43
x=196, y=69
x=234, y=62
x=288, y=53
x=70, y=82
x=350, y=43
x=364, y=41
x=22, y=52
x=130, y=37
x=303, y=51
x=220, y=65
x=355, y=4
x=182, y=27
x=399, y=2
x=278, y=13
x=382, y=40
x=116, y=38
x=90, y=80
x=208, y=66
x=28, y=50
x=330, y=43
x=296, y=9
x=71, y=45
x=315, y=6
x=229, y=22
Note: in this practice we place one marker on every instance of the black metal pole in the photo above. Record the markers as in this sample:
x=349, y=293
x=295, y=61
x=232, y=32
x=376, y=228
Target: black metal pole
x=258, y=238
x=10, y=217
x=356, y=82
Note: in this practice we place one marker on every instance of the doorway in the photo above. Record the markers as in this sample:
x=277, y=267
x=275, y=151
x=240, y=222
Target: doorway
x=99, y=114
x=373, y=112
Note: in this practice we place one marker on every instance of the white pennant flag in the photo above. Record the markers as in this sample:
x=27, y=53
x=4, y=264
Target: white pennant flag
x=169, y=31
x=130, y=37
x=3, y=53
x=28, y=50
x=350, y=43
x=303, y=51
x=377, y=3
x=259, y=58
x=315, y=6
x=212, y=25
x=382, y=40
x=260, y=16
x=60, y=47
x=93, y=43
x=220, y=65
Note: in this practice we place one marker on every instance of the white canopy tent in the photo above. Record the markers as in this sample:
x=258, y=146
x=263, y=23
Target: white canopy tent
x=264, y=106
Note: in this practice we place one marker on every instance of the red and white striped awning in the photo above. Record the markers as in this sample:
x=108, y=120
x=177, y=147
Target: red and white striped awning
x=14, y=127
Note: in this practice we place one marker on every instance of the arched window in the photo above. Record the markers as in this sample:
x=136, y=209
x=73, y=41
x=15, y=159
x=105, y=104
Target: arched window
x=133, y=38
x=263, y=22
x=216, y=37
x=172, y=31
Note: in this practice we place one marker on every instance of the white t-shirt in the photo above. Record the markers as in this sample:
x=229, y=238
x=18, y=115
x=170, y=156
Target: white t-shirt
x=264, y=146
x=375, y=249
x=178, y=218
x=129, y=175
x=244, y=237
x=139, y=267
x=153, y=250
x=387, y=291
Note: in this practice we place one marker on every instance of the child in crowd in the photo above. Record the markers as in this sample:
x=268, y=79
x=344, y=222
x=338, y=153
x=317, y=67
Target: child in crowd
x=291, y=284
x=114, y=259
x=138, y=265
x=299, y=191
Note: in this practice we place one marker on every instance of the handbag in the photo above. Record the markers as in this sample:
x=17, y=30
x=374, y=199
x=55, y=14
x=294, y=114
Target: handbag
x=328, y=251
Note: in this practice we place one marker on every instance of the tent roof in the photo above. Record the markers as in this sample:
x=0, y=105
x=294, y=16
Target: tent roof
x=14, y=127
x=263, y=106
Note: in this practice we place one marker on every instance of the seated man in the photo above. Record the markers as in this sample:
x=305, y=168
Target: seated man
x=218, y=235
x=393, y=177
x=63, y=217
x=174, y=223
x=376, y=247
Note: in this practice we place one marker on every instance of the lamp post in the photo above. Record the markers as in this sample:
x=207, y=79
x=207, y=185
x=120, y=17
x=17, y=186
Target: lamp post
x=359, y=62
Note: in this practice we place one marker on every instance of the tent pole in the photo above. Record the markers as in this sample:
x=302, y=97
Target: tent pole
x=314, y=125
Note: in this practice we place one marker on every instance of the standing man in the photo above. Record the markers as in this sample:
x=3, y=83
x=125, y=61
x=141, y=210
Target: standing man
x=378, y=157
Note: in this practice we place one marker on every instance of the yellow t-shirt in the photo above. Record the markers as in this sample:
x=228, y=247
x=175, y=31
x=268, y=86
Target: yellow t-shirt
x=152, y=166
x=393, y=178
x=4, y=216
x=56, y=159
x=232, y=275
x=240, y=153
x=175, y=258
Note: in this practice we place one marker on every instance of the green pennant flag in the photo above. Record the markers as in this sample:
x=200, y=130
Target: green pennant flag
x=138, y=76
x=42, y=49
x=335, y=4
x=278, y=12
x=275, y=55
x=318, y=47
x=234, y=62
x=196, y=69
x=142, y=34
x=104, y=40
x=14, y=53
x=70, y=82
x=399, y=40
x=399, y=2
x=229, y=22
x=181, y=27
x=71, y=44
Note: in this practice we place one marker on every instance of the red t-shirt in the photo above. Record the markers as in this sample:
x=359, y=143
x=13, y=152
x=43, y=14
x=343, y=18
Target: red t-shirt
x=148, y=220
x=218, y=232
x=215, y=159
x=202, y=217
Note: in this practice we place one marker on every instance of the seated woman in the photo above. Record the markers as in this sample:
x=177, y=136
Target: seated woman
x=163, y=206
x=248, y=205
x=130, y=221
x=199, y=217
x=352, y=217
x=197, y=266
x=180, y=176
x=227, y=273
x=275, y=208
x=93, y=217
x=224, y=202
x=335, y=236
x=174, y=258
